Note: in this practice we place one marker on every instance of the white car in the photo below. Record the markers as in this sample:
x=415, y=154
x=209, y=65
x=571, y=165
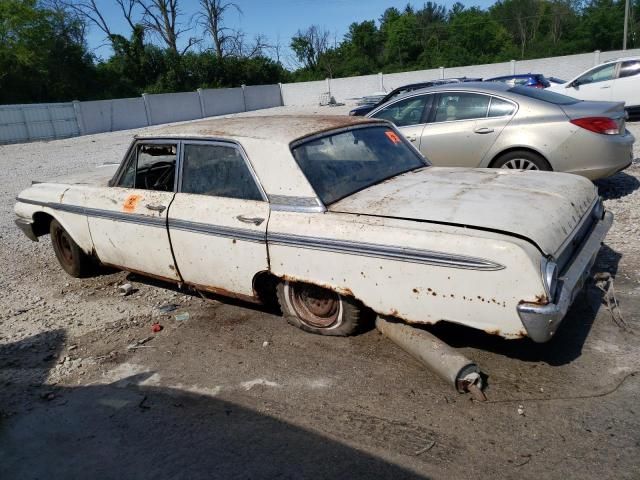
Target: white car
x=342, y=215
x=615, y=80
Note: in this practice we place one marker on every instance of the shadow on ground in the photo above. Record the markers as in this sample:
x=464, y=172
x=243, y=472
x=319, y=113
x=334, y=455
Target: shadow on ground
x=618, y=186
x=126, y=430
x=565, y=346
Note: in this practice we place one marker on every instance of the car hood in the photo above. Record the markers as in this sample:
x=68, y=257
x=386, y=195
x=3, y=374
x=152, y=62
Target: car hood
x=543, y=207
x=99, y=176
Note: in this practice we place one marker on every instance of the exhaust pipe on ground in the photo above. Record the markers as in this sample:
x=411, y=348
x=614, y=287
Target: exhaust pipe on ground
x=453, y=367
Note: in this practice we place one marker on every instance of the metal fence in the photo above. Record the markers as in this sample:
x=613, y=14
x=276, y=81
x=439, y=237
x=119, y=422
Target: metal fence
x=47, y=121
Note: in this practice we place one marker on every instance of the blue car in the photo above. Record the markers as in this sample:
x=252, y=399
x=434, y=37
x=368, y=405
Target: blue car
x=536, y=80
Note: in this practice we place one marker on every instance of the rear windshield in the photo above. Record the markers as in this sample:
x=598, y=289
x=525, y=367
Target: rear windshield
x=544, y=95
x=340, y=164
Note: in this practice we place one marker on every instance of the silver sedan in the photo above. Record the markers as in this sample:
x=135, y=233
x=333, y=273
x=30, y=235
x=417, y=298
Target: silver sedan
x=494, y=125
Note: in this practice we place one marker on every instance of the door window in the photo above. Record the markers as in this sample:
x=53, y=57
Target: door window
x=151, y=166
x=404, y=112
x=629, y=69
x=219, y=171
x=500, y=108
x=598, y=74
x=461, y=106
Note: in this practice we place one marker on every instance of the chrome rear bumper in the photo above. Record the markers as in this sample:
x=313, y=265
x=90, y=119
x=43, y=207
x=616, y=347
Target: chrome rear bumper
x=542, y=321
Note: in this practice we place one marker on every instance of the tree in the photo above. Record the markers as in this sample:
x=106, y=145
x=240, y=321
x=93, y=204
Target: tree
x=161, y=17
x=89, y=12
x=211, y=17
x=310, y=45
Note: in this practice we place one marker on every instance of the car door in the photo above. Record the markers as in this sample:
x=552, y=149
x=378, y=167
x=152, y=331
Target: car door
x=218, y=219
x=595, y=84
x=128, y=221
x=408, y=115
x=460, y=132
x=626, y=88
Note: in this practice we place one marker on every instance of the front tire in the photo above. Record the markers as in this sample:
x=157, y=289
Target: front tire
x=522, y=160
x=70, y=256
x=319, y=310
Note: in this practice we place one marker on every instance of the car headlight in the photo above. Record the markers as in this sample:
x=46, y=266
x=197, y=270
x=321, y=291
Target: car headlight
x=550, y=278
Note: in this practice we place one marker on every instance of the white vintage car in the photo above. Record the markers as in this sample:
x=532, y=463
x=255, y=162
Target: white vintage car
x=342, y=214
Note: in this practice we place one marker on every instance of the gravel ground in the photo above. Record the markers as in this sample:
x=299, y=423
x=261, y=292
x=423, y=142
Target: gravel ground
x=190, y=400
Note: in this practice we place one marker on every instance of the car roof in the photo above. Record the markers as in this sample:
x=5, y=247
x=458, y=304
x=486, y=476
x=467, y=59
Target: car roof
x=276, y=128
x=519, y=75
x=485, y=87
x=620, y=59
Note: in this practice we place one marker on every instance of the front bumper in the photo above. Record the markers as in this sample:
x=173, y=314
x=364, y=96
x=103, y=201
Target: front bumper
x=542, y=321
x=27, y=227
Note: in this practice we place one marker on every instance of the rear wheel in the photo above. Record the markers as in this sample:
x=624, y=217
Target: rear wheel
x=521, y=160
x=319, y=310
x=71, y=257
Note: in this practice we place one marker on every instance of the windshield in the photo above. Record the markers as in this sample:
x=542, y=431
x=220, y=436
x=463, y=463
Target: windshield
x=340, y=164
x=544, y=95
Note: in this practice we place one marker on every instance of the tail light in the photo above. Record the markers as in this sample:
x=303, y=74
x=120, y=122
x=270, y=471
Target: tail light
x=604, y=125
x=539, y=85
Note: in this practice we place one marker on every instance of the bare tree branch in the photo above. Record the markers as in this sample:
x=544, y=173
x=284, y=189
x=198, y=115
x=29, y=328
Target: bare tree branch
x=211, y=18
x=89, y=11
x=161, y=17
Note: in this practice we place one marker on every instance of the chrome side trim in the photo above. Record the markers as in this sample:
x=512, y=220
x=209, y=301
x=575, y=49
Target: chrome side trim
x=287, y=203
x=99, y=213
x=386, y=252
x=542, y=321
x=218, y=231
x=161, y=222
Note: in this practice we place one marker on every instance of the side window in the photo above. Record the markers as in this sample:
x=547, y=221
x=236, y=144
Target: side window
x=500, y=108
x=598, y=74
x=629, y=69
x=461, y=106
x=151, y=166
x=219, y=171
x=405, y=112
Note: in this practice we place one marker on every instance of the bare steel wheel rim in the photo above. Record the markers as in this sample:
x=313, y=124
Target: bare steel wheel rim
x=64, y=245
x=315, y=306
x=520, y=164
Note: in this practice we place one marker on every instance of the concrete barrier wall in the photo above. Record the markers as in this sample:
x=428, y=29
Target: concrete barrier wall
x=172, y=107
x=221, y=101
x=262, y=96
x=344, y=88
x=25, y=123
x=304, y=93
x=112, y=115
x=565, y=67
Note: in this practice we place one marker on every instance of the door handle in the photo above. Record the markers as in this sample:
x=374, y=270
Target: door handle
x=255, y=220
x=483, y=130
x=412, y=138
x=156, y=208
x=606, y=86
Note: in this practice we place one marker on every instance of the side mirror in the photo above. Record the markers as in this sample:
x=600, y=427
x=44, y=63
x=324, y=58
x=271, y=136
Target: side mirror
x=575, y=83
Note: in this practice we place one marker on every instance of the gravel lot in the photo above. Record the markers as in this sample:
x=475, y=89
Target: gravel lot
x=234, y=392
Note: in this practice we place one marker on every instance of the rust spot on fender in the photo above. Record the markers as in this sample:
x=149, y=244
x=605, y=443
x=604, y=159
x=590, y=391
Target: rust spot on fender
x=541, y=299
x=341, y=290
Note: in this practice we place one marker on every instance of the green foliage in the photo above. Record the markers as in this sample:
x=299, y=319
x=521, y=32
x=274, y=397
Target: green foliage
x=432, y=36
x=44, y=57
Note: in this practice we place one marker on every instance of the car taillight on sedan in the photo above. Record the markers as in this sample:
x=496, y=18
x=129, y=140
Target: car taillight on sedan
x=604, y=125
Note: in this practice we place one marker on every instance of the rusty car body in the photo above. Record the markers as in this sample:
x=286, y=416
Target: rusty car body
x=342, y=213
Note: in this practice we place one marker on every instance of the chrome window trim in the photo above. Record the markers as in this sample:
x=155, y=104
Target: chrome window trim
x=134, y=145
x=222, y=143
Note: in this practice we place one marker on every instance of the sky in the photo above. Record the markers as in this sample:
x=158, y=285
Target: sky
x=279, y=20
